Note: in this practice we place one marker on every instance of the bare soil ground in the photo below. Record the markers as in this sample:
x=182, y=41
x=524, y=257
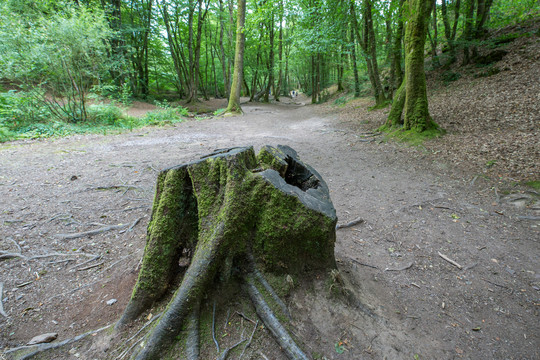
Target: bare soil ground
x=418, y=205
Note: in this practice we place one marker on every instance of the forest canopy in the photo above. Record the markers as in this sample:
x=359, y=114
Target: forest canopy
x=57, y=54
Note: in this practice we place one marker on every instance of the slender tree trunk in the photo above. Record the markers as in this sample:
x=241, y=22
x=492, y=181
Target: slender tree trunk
x=223, y=57
x=468, y=32
x=277, y=91
x=370, y=50
x=433, y=39
x=354, y=30
x=397, y=48
x=236, y=87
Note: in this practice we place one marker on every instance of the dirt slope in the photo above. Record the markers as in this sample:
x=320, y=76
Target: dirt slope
x=412, y=301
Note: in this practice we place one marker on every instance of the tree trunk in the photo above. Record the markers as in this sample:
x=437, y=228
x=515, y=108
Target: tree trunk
x=236, y=87
x=231, y=211
x=397, y=48
x=353, y=56
x=223, y=57
x=468, y=33
x=415, y=103
x=433, y=39
x=370, y=53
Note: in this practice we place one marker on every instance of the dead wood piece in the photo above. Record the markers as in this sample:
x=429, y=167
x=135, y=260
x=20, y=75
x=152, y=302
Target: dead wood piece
x=408, y=266
x=525, y=217
x=16, y=244
x=280, y=334
x=117, y=187
x=7, y=255
x=97, y=257
x=2, y=312
x=91, y=266
x=39, y=348
x=250, y=340
x=450, y=261
x=361, y=263
x=96, y=231
x=244, y=316
x=350, y=223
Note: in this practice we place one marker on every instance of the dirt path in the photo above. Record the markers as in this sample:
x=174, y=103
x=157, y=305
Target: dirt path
x=413, y=302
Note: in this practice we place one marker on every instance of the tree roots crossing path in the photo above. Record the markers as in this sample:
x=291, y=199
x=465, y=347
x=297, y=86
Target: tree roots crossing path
x=232, y=212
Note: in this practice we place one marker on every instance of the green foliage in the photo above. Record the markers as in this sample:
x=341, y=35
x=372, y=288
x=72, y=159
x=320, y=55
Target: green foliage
x=166, y=115
x=219, y=111
x=342, y=100
x=382, y=105
x=535, y=184
x=449, y=76
x=62, y=52
x=492, y=70
x=506, y=12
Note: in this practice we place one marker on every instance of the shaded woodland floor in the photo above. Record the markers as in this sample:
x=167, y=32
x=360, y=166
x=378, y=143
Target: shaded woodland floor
x=421, y=207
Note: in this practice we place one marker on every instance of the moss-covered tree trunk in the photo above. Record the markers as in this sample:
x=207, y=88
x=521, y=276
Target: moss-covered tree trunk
x=415, y=104
x=234, y=212
x=236, y=86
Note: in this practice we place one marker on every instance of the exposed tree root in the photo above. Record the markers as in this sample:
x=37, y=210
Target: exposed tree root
x=192, y=341
x=280, y=334
x=97, y=231
x=2, y=312
x=272, y=293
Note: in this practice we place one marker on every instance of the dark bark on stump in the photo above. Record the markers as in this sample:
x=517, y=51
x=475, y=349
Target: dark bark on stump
x=227, y=209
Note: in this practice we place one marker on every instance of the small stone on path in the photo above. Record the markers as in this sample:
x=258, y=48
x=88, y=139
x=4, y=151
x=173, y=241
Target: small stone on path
x=43, y=338
x=112, y=301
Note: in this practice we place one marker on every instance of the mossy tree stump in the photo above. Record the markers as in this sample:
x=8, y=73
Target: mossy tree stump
x=234, y=212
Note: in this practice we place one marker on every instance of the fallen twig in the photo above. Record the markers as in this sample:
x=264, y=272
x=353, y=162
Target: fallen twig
x=16, y=244
x=91, y=266
x=349, y=224
x=2, y=312
x=44, y=347
x=117, y=187
x=4, y=255
x=96, y=231
x=86, y=262
x=450, y=261
x=408, y=266
x=499, y=285
x=250, y=339
x=360, y=263
x=525, y=217
x=244, y=316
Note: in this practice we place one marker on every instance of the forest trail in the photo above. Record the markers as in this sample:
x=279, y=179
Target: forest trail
x=416, y=211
